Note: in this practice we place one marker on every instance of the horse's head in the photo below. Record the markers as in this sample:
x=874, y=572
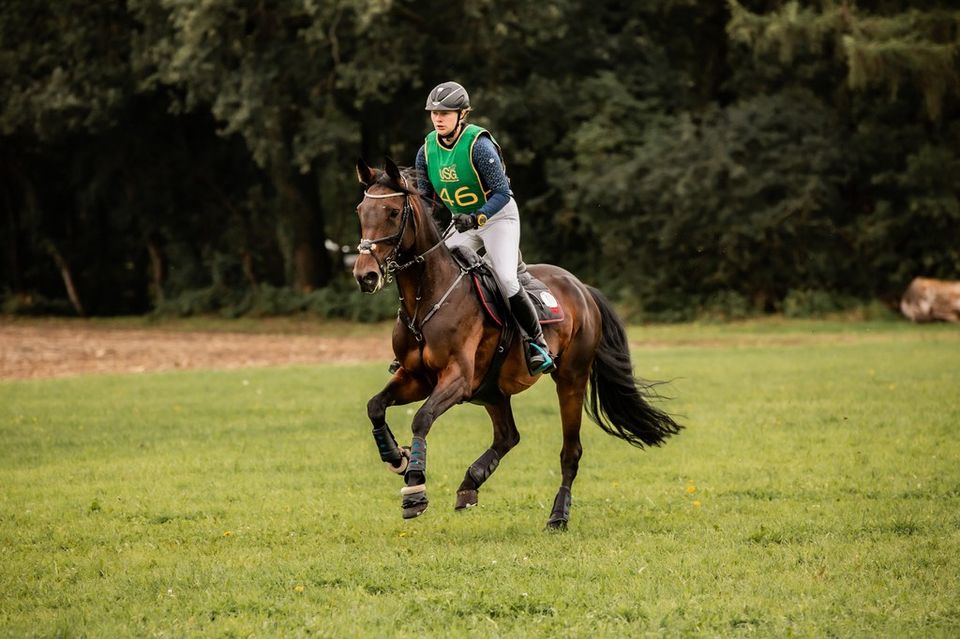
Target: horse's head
x=386, y=225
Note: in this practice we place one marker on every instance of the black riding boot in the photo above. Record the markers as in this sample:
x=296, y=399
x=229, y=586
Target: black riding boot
x=535, y=347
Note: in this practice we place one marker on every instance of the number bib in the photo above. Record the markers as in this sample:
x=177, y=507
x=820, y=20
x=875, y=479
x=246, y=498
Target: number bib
x=452, y=173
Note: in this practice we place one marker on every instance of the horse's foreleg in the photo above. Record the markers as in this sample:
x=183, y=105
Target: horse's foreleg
x=452, y=387
x=505, y=437
x=570, y=392
x=402, y=388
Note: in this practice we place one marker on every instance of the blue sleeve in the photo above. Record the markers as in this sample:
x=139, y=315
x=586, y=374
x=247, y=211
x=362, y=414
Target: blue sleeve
x=423, y=180
x=493, y=176
x=424, y=186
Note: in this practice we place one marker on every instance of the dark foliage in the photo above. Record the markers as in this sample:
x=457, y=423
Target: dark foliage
x=694, y=158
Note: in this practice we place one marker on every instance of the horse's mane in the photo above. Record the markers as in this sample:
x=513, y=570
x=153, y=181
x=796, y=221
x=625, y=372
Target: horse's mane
x=412, y=176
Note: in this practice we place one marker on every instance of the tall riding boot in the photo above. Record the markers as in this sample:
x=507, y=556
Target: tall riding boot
x=535, y=347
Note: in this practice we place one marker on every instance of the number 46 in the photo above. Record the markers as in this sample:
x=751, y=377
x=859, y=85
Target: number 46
x=462, y=197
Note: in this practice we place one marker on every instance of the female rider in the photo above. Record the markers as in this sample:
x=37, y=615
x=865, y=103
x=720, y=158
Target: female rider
x=461, y=164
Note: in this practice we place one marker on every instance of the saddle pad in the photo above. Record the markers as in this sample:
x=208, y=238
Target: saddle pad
x=548, y=308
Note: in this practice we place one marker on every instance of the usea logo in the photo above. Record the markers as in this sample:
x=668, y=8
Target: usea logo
x=448, y=173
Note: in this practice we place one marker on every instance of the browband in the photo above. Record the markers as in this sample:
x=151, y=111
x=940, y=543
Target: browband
x=383, y=195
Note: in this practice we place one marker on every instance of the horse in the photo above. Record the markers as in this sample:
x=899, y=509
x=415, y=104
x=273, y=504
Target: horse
x=445, y=345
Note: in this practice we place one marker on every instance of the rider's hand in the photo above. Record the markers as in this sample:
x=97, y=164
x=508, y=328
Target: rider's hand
x=465, y=221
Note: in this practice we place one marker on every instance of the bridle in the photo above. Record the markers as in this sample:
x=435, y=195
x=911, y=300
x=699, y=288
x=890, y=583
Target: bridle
x=389, y=265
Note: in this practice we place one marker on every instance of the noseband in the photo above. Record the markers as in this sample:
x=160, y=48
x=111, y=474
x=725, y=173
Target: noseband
x=389, y=265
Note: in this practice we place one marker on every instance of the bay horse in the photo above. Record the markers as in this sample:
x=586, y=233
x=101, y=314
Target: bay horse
x=445, y=344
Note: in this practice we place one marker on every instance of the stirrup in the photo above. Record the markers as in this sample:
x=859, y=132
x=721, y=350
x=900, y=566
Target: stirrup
x=547, y=366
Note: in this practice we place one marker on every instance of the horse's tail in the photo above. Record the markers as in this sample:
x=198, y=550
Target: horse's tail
x=617, y=401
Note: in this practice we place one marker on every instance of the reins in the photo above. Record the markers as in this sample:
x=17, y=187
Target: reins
x=389, y=265
x=412, y=323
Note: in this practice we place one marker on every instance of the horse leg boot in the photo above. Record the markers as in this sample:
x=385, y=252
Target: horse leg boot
x=414, y=494
x=535, y=347
x=392, y=456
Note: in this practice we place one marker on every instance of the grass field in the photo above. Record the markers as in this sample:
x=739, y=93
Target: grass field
x=814, y=493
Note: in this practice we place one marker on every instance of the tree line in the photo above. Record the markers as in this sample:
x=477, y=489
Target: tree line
x=683, y=155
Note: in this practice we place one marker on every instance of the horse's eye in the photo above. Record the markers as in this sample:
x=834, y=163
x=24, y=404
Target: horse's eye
x=394, y=214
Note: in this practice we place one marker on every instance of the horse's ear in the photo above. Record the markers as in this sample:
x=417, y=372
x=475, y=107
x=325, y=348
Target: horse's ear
x=364, y=173
x=394, y=172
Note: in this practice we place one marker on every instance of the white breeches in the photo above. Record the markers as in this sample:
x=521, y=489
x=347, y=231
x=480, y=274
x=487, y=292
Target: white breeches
x=500, y=236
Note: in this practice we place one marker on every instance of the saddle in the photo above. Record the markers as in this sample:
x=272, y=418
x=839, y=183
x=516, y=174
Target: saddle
x=497, y=309
x=491, y=297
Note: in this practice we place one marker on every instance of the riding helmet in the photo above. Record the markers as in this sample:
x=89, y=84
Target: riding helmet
x=448, y=96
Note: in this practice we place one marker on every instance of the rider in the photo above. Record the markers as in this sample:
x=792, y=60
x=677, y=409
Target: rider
x=461, y=164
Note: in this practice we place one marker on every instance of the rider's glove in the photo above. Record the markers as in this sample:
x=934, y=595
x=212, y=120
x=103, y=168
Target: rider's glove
x=465, y=221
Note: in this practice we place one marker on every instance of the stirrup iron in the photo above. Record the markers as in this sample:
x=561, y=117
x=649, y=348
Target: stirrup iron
x=548, y=364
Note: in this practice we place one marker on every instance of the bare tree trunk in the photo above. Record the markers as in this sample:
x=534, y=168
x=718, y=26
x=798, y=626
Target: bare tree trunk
x=158, y=271
x=304, y=258
x=67, y=276
x=302, y=232
x=13, y=243
x=247, y=261
x=242, y=219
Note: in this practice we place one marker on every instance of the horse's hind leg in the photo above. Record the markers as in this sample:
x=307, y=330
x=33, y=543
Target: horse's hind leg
x=570, y=391
x=505, y=437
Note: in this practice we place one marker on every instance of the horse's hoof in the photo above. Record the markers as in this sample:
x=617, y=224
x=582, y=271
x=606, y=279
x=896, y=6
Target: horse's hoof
x=466, y=499
x=414, y=500
x=414, y=511
x=557, y=525
x=560, y=514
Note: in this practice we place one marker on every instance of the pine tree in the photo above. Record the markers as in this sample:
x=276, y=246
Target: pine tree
x=917, y=47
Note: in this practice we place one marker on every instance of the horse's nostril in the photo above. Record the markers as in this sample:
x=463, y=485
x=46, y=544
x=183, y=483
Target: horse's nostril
x=368, y=281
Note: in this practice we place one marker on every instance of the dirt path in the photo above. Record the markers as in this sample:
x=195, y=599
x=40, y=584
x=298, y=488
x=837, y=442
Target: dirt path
x=57, y=351
x=59, y=348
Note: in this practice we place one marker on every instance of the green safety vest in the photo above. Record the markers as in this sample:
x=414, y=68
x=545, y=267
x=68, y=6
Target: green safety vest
x=452, y=173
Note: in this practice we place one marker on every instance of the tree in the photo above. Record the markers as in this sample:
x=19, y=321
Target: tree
x=891, y=76
x=264, y=70
x=159, y=152
x=907, y=47
x=69, y=75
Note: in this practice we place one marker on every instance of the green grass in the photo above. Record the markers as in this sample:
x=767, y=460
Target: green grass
x=815, y=492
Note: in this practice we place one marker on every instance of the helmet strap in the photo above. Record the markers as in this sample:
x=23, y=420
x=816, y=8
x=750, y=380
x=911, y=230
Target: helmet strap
x=449, y=140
